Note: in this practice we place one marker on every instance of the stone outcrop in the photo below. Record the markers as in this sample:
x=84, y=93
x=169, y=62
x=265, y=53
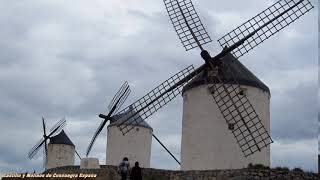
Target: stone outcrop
x=89, y=163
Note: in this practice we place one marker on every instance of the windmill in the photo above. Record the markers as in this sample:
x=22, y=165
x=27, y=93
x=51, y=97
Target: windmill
x=140, y=140
x=56, y=137
x=237, y=110
x=116, y=102
x=43, y=142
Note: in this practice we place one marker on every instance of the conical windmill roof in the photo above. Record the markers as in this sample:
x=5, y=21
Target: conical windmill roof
x=243, y=75
x=119, y=118
x=61, y=138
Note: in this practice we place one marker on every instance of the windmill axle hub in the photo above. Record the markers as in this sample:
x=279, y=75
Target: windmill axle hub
x=103, y=116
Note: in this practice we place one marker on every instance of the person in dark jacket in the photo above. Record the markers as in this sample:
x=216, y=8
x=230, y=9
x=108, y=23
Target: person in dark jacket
x=136, y=172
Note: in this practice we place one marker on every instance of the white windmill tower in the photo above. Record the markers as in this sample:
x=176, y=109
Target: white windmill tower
x=136, y=145
x=207, y=141
x=61, y=151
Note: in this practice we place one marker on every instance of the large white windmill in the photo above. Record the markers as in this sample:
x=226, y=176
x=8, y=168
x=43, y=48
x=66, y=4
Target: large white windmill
x=226, y=108
x=226, y=121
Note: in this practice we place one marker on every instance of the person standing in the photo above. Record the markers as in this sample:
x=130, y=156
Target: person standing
x=124, y=168
x=136, y=172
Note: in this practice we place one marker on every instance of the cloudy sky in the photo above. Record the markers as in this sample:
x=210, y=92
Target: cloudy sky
x=67, y=58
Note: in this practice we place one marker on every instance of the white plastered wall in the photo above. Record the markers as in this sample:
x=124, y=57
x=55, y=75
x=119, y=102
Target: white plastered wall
x=60, y=155
x=135, y=145
x=207, y=143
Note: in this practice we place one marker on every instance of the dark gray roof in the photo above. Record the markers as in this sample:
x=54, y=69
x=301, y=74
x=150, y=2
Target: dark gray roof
x=243, y=75
x=61, y=138
x=119, y=118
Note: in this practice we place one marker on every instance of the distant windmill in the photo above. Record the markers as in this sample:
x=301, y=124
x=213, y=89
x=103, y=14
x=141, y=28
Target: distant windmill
x=137, y=146
x=116, y=102
x=236, y=109
x=58, y=141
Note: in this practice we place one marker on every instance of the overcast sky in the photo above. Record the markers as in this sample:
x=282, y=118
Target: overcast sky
x=67, y=59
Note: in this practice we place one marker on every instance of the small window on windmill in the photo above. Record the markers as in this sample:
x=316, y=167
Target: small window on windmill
x=231, y=126
x=211, y=89
x=137, y=129
x=243, y=91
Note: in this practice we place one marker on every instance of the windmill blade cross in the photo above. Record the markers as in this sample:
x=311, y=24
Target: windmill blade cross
x=187, y=23
x=157, y=98
x=116, y=102
x=265, y=24
x=43, y=142
x=33, y=151
x=237, y=110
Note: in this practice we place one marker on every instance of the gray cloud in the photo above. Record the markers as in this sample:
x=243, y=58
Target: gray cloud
x=69, y=58
x=298, y=118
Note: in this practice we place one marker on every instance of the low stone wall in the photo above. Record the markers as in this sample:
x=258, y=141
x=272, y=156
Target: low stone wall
x=110, y=173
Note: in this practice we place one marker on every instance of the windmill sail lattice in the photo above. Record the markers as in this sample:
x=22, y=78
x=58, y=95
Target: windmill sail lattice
x=238, y=112
x=97, y=132
x=33, y=151
x=184, y=17
x=281, y=14
x=120, y=97
x=155, y=99
x=58, y=126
